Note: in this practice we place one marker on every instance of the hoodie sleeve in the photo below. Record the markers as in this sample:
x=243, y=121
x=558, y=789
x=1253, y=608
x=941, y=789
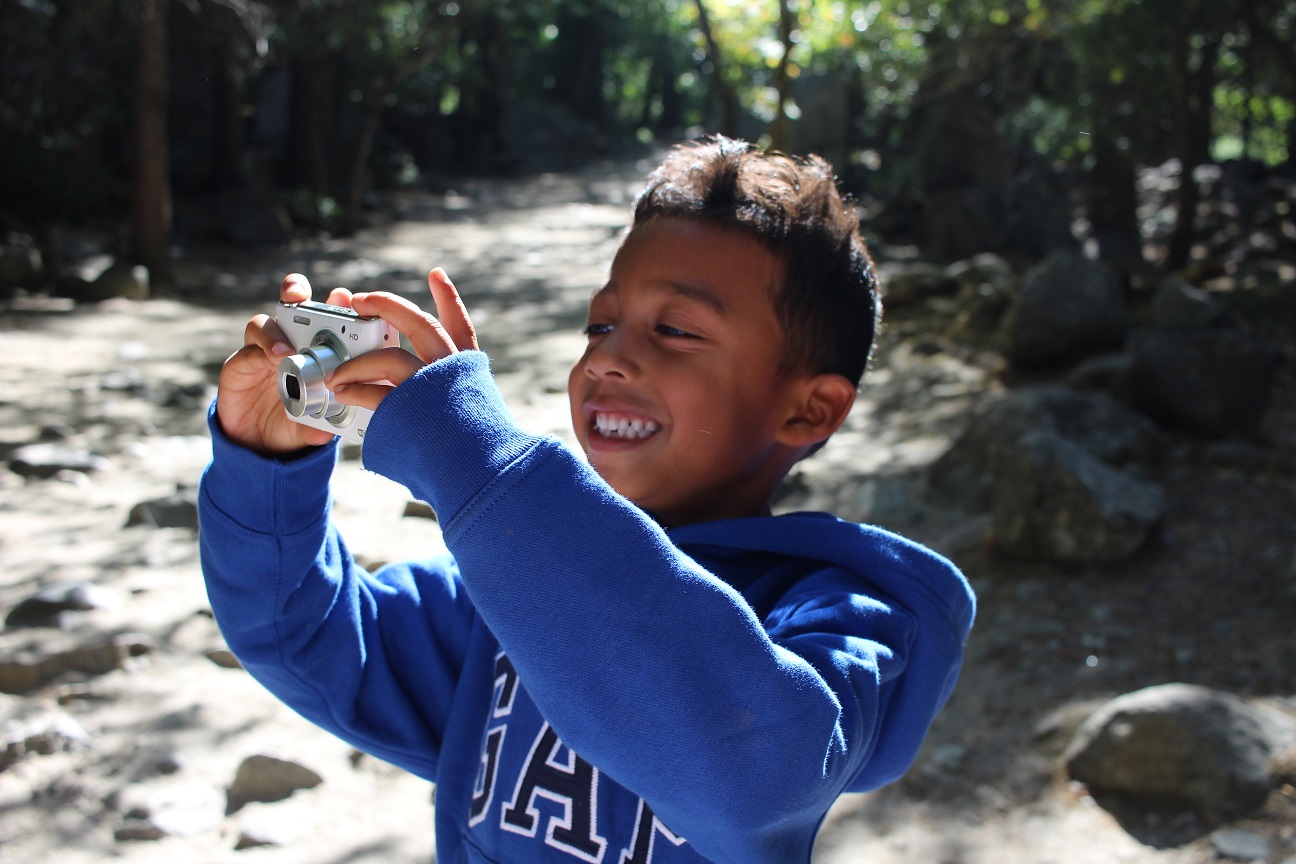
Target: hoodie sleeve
x=645, y=663
x=314, y=627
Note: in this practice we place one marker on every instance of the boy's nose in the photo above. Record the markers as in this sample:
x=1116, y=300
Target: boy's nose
x=610, y=358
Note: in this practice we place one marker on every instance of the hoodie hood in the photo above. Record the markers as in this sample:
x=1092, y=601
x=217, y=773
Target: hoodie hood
x=925, y=584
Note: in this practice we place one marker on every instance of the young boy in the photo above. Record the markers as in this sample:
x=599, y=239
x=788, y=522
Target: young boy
x=623, y=658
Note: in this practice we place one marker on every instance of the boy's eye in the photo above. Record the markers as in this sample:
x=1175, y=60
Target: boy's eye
x=674, y=332
x=596, y=329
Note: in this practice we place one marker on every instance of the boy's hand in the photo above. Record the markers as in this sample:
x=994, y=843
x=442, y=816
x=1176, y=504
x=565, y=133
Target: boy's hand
x=248, y=407
x=365, y=380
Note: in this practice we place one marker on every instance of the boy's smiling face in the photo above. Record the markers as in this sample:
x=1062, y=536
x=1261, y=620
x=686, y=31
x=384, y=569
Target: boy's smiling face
x=679, y=400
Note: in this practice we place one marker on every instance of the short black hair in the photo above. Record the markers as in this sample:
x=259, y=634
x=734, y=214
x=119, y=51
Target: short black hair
x=828, y=303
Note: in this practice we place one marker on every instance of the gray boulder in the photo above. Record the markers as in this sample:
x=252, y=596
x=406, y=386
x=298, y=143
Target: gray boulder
x=986, y=268
x=122, y=279
x=1054, y=500
x=987, y=288
x=1185, y=746
x=1056, y=470
x=912, y=283
x=20, y=263
x=1102, y=426
x=1216, y=383
x=1068, y=307
x=100, y=278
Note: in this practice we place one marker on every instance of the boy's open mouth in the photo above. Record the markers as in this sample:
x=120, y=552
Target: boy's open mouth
x=623, y=427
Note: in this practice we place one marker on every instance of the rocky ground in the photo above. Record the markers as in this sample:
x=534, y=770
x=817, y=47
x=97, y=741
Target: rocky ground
x=132, y=735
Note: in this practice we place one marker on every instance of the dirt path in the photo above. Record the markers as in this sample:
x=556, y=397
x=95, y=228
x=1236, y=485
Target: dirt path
x=162, y=734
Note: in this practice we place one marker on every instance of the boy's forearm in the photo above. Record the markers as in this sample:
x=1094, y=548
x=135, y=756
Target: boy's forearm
x=253, y=512
x=293, y=606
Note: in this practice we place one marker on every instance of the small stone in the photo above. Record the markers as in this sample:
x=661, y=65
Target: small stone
x=56, y=432
x=42, y=735
x=46, y=459
x=26, y=670
x=186, y=396
x=47, y=607
x=137, y=830
x=1240, y=844
x=172, y=511
x=169, y=763
x=419, y=510
x=224, y=658
x=266, y=778
x=252, y=836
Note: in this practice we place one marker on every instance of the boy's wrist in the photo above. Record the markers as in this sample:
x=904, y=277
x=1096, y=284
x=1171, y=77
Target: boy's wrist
x=268, y=493
x=445, y=433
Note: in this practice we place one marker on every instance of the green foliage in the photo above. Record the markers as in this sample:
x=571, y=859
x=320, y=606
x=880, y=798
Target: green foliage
x=1057, y=75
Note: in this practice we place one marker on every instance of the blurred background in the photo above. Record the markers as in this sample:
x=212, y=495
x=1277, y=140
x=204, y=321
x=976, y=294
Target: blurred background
x=1012, y=126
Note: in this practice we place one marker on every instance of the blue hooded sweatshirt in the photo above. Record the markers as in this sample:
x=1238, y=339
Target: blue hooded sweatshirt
x=579, y=683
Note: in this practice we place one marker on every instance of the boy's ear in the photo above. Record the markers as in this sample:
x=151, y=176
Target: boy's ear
x=820, y=406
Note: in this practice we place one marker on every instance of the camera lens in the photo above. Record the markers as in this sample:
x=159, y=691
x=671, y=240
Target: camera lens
x=301, y=380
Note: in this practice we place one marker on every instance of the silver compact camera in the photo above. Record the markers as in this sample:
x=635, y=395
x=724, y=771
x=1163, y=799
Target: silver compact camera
x=325, y=337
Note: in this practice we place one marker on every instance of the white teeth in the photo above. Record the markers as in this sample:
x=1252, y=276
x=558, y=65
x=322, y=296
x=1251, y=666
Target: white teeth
x=613, y=426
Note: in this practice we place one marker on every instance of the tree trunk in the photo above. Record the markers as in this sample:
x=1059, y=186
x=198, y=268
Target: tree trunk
x=672, y=100
x=228, y=141
x=1194, y=86
x=1112, y=199
x=480, y=134
x=312, y=113
x=151, y=224
x=723, y=89
x=779, y=132
x=579, y=72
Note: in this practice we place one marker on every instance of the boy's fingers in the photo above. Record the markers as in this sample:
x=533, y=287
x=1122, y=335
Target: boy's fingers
x=362, y=395
x=426, y=335
x=451, y=310
x=263, y=332
x=295, y=288
x=340, y=297
x=388, y=365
